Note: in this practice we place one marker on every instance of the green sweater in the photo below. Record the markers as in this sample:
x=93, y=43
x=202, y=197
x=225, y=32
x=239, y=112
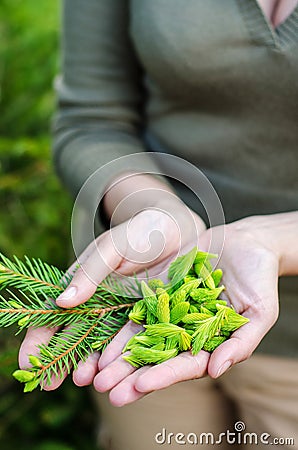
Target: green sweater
x=209, y=81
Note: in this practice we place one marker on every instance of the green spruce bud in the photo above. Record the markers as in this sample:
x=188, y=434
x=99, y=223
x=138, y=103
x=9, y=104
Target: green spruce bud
x=217, y=276
x=179, y=311
x=45, y=352
x=151, y=356
x=233, y=320
x=163, y=329
x=204, y=257
x=149, y=341
x=151, y=318
x=14, y=304
x=201, y=295
x=155, y=283
x=163, y=308
x=198, y=342
x=172, y=343
x=159, y=346
x=196, y=317
x=184, y=341
x=178, y=297
x=181, y=266
x=23, y=375
x=211, y=344
x=23, y=321
x=35, y=361
x=212, y=305
x=139, y=311
x=189, y=278
x=149, y=298
x=96, y=345
x=203, y=270
x=31, y=385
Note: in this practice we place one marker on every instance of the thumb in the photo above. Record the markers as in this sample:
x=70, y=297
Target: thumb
x=95, y=264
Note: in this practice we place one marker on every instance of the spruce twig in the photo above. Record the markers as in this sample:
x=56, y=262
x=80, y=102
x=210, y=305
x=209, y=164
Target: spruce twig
x=30, y=289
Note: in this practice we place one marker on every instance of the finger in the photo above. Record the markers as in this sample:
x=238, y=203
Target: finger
x=86, y=370
x=55, y=381
x=262, y=311
x=101, y=262
x=35, y=337
x=29, y=346
x=240, y=345
x=113, y=374
x=125, y=392
x=181, y=368
x=85, y=255
x=115, y=347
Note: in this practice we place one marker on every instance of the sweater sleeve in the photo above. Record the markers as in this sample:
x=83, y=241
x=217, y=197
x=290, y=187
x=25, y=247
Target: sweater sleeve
x=100, y=98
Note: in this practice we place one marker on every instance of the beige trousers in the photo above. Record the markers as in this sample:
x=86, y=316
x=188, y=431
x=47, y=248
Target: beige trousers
x=254, y=405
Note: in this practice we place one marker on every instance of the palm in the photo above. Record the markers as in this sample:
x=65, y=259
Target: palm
x=250, y=277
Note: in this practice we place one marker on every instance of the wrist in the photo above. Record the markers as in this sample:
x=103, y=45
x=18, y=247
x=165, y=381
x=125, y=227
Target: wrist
x=131, y=193
x=279, y=234
x=285, y=230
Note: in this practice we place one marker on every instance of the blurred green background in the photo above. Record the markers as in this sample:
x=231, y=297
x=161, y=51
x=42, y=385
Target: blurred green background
x=34, y=218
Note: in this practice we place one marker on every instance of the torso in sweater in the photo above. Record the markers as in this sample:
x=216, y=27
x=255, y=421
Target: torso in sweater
x=222, y=91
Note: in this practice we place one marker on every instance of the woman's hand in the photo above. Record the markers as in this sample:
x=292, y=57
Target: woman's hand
x=251, y=259
x=150, y=240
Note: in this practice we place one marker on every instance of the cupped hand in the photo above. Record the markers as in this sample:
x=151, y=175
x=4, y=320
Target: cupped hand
x=250, y=264
x=150, y=240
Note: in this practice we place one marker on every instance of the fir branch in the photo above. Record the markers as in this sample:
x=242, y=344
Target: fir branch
x=39, y=314
x=109, y=327
x=127, y=288
x=41, y=278
x=31, y=274
x=65, y=348
x=73, y=344
x=83, y=329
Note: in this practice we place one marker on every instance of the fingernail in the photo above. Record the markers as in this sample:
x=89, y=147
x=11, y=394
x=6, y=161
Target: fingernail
x=68, y=294
x=225, y=366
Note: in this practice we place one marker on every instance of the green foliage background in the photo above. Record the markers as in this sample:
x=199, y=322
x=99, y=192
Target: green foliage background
x=34, y=217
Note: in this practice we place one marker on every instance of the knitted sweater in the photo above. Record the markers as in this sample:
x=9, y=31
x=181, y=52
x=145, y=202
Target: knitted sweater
x=209, y=81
